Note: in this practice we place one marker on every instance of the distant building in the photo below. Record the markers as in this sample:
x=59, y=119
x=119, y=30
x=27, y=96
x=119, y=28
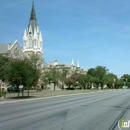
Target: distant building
x=71, y=67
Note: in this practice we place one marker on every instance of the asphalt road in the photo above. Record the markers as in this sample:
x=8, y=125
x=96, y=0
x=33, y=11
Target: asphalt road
x=95, y=111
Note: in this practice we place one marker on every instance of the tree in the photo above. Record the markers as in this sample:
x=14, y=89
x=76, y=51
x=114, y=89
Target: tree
x=110, y=80
x=101, y=71
x=94, y=80
x=92, y=72
x=63, y=76
x=126, y=79
x=22, y=73
x=52, y=76
x=83, y=79
x=72, y=80
x=97, y=74
x=3, y=68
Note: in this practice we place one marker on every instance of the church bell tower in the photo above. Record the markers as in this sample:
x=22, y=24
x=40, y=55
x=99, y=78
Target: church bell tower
x=32, y=39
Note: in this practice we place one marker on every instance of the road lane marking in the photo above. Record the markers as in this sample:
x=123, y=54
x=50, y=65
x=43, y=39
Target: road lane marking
x=73, y=117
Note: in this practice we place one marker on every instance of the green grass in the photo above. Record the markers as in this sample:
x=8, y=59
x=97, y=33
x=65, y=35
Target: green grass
x=45, y=93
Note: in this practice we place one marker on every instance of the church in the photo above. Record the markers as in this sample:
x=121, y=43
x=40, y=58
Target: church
x=32, y=44
x=32, y=39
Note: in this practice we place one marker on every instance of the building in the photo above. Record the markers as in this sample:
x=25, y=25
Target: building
x=11, y=50
x=71, y=67
x=32, y=44
x=32, y=39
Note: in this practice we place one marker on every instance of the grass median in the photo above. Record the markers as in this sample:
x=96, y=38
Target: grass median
x=42, y=94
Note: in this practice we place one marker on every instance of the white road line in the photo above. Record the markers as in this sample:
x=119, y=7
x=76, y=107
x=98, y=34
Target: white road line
x=73, y=117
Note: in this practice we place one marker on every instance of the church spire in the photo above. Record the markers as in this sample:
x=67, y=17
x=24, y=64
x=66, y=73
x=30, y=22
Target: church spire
x=33, y=14
x=72, y=63
x=78, y=64
x=32, y=38
x=33, y=20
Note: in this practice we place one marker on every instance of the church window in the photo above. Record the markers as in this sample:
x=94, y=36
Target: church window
x=35, y=42
x=16, y=51
x=40, y=44
x=28, y=55
x=30, y=42
x=24, y=43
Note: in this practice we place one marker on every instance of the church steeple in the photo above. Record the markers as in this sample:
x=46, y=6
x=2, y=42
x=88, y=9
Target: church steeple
x=32, y=39
x=33, y=14
x=33, y=19
x=72, y=63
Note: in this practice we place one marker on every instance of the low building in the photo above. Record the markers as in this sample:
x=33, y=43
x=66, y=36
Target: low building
x=11, y=50
x=71, y=67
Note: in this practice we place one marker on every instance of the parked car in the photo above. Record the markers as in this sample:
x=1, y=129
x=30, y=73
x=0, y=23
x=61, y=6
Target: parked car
x=14, y=89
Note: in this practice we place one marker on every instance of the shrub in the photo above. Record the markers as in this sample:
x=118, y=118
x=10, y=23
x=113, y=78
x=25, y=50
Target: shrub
x=3, y=93
x=39, y=89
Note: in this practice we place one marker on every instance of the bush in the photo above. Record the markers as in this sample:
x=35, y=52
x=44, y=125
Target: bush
x=3, y=93
x=39, y=89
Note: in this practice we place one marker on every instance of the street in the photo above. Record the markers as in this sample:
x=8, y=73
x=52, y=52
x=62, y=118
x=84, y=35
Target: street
x=93, y=111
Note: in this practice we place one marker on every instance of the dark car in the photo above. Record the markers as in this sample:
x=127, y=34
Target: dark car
x=14, y=89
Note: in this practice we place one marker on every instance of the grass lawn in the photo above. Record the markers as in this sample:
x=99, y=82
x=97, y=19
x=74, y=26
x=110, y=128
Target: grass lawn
x=44, y=93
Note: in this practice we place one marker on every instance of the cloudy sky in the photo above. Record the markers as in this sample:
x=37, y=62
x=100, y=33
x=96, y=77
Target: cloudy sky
x=95, y=32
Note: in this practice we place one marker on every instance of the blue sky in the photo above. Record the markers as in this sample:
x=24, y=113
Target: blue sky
x=95, y=32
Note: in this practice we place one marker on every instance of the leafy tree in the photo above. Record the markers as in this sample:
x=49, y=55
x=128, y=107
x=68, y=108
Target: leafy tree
x=3, y=68
x=83, y=80
x=119, y=83
x=92, y=72
x=110, y=80
x=126, y=79
x=97, y=74
x=45, y=78
x=72, y=80
x=63, y=76
x=94, y=80
x=52, y=76
x=22, y=73
x=101, y=71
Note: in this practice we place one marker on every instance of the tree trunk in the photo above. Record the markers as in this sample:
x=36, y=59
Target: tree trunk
x=69, y=86
x=84, y=87
x=54, y=87
x=18, y=90
x=28, y=91
x=0, y=86
x=22, y=93
x=63, y=85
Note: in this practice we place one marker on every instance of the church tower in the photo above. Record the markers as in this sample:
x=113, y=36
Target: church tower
x=32, y=39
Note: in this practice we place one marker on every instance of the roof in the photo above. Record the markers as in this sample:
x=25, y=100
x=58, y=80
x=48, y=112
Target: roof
x=33, y=20
x=4, y=47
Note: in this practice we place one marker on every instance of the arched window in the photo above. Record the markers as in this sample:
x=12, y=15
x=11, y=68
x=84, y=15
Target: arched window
x=30, y=42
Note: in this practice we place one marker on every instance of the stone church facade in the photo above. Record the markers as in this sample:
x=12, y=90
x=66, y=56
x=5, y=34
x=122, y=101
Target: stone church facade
x=32, y=39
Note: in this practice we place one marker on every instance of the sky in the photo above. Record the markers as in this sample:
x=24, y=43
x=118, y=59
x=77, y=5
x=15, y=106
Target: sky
x=95, y=32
